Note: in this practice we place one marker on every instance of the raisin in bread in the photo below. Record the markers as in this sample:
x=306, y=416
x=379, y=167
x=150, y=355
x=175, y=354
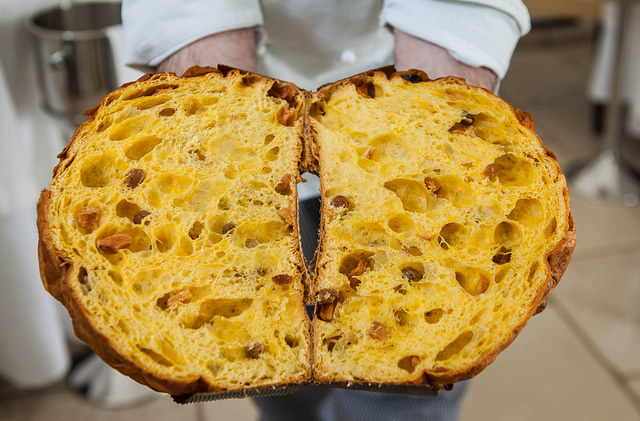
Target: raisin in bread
x=445, y=224
x=170, y=232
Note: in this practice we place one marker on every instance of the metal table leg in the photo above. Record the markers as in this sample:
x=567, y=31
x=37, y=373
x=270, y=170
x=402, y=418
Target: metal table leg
x=606, y=178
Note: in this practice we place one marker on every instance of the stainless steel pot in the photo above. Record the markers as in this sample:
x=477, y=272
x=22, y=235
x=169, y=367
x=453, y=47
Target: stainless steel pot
x=74, y=57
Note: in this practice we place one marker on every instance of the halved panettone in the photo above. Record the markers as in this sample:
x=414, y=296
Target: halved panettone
x=445, y=225
x=170, y=232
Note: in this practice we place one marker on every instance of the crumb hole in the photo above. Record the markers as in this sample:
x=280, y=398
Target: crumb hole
x=331, y=342
x=365, y=88
x=414, y=251
x=291, y=341
x=472, y=281
x=409, y=363
x=126, y=209
x=184, y=246
x=214, y=367
x=402, y=317
x=551, y=228
x=454, y=235
x=141, y=146
x=196, y=230
x=149, y=102
x=222, y=307
x=192, y=106
x=129, y=127
x=252, y=234
x=455, y=347
x=97, y=171
x=433, y=316
x=139, y=239
x=165, y=237
x=317, y=110
x=115, y=277
x=514, y=170
x=414, y=196
x=401, y=223
x=197, y=153
x=350, y=261
x=507, y=234
x=224, y=203
x=387, y=148
x=501, y=275
x=83, y=279
x=155, y=356
x=152, y=90
x=527, y=211
x=534, y=272
x=272, y=154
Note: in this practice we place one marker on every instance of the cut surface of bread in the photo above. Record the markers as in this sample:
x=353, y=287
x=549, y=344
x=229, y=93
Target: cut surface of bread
x=170, y=232
x=445, y=225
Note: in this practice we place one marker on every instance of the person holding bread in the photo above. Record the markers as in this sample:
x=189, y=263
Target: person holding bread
x=311, y=43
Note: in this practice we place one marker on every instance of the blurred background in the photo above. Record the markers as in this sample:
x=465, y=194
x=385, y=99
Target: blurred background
x=578, y=360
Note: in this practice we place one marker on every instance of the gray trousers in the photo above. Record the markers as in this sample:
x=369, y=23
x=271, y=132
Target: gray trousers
x=321, y=403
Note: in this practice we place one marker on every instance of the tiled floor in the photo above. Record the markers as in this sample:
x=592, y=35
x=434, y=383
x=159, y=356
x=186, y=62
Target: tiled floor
x=578, y=360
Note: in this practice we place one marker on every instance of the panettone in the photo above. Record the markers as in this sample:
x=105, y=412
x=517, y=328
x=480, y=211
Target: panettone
x=170, y=233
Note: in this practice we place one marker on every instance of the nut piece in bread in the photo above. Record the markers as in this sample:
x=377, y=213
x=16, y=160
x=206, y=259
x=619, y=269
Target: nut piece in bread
x=162, y=232
x=445, y=225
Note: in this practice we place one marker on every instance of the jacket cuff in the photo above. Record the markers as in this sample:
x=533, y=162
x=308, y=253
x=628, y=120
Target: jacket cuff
x=477, y=33
x=155, y=29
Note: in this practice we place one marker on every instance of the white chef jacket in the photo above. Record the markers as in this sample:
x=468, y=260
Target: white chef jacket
x=312, y=42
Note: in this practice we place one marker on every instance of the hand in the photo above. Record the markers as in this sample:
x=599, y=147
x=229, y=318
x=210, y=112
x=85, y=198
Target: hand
x=235, y=48
x=435, y=61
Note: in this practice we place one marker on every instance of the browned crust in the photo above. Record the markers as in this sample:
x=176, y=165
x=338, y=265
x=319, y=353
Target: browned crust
x=557, y=260
x=56, y=269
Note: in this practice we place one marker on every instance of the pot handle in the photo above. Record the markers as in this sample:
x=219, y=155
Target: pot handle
x=61, y=58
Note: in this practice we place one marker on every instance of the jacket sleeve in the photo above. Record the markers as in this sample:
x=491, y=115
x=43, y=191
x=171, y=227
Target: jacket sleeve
x=155, y=29
x=476, y=32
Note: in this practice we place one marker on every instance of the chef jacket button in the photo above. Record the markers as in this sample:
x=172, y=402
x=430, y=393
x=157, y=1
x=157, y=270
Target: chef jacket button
x=348, y=56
